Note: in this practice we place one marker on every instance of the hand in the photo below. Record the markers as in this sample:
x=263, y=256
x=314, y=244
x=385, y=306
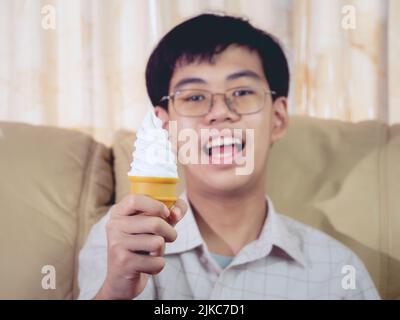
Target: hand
x=137, y=231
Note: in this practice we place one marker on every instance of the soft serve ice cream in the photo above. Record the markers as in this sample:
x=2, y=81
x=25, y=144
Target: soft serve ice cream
x=153, y=156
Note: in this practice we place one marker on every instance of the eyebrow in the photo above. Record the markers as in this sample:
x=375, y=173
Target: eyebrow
x=231, y=77
x=186, y=81
x=243, y=73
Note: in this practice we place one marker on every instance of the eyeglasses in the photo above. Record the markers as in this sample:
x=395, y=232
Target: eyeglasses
x=197, y=103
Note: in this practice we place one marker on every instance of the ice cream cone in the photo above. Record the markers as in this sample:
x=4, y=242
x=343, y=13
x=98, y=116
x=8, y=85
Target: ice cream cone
x=161, y=189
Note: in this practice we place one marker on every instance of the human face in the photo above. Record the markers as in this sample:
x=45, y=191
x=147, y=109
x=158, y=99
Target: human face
x=234, y=67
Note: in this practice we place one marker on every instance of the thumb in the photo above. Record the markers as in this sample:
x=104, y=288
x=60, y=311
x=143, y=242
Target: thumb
x=177, y=211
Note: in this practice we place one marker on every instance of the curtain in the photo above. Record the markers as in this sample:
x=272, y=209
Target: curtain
x=80, y=64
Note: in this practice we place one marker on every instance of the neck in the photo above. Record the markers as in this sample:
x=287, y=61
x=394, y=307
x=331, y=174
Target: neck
x=229, y=222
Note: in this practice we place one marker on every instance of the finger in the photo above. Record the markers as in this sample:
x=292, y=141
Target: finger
x=142, y=224
x=136, y=203
x=178, y=211
x=132, y=263
x=148, y=264
x=141, y=243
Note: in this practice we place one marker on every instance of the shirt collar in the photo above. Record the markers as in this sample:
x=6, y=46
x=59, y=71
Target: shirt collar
x=275, y=238
x=277, y=232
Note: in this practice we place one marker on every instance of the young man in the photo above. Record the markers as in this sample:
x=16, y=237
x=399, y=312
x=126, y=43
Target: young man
x=230, y=244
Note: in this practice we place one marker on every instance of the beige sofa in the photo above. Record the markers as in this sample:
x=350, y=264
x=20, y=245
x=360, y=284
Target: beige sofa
x=339, y=177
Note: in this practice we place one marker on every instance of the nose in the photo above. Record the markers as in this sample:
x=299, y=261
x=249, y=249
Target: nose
x=220, y=111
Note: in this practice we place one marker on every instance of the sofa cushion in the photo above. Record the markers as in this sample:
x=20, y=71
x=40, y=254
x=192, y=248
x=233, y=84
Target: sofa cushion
x=55, y=184
x=327, y=174
x=122, y=152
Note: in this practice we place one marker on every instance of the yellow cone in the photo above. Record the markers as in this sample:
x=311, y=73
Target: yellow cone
x=161, y=189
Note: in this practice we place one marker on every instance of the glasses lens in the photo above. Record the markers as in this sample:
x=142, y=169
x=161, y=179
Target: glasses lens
x=246, y=100
x=192, y=102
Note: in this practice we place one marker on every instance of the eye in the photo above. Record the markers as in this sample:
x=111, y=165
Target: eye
x=194, y=98
x=242, y=92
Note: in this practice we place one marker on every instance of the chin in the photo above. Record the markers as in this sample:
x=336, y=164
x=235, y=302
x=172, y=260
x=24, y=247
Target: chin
x=220, y=180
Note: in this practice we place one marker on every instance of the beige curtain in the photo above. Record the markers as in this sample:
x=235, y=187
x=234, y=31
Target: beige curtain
x=80, y=64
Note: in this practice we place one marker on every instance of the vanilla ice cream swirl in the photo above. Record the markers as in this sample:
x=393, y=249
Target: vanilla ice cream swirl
x=153, y=155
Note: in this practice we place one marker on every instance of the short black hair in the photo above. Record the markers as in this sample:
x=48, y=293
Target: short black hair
x=206, y=35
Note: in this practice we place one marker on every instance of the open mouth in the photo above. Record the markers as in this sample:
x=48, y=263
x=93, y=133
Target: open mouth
x=223, y=148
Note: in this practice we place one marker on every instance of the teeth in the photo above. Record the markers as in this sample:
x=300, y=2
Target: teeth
x=223, y=141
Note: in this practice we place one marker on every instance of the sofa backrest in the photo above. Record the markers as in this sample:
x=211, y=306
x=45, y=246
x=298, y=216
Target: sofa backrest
x=342, y=178
x=55, y=184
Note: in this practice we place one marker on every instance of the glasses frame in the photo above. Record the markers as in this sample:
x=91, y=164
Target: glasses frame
x=171, y=98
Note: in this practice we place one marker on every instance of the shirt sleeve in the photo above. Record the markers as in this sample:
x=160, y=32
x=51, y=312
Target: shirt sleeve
x=93, y=265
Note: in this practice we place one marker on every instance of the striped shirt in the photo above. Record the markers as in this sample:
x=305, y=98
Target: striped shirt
x=288, y=260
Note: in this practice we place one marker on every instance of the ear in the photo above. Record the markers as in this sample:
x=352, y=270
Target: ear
x=163, y=115
x=280, y=119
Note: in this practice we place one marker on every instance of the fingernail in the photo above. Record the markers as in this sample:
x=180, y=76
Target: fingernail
x=166, y=211
x=178, y=212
